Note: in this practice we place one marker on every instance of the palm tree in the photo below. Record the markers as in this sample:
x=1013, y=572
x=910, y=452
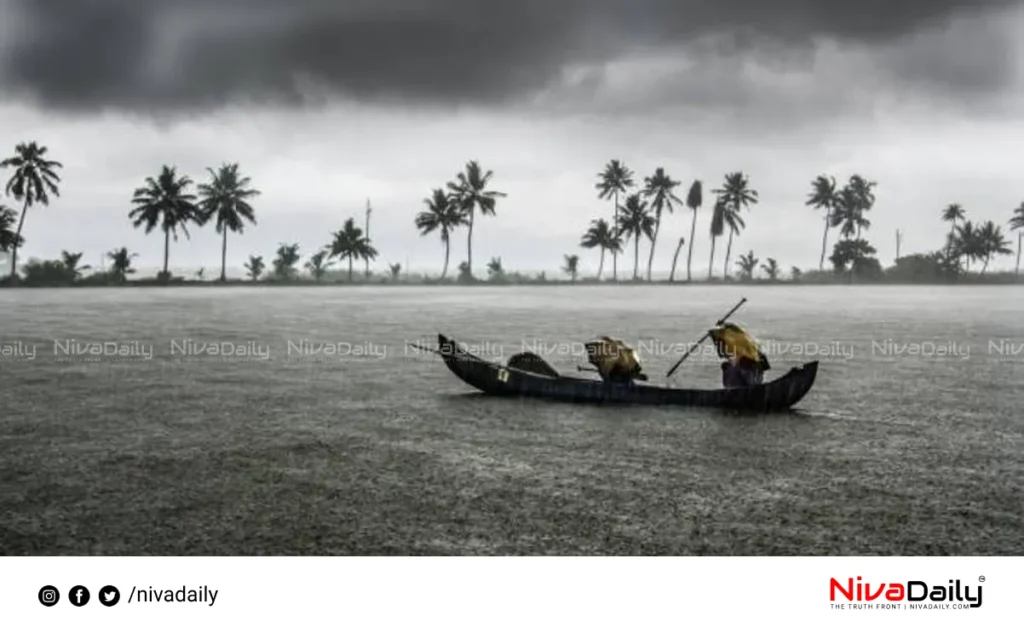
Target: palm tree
x=747, y=264
x=254, y=267
x=396, y=270
x=615, y=179
x=1017, y=224
x=470, y=192
x=675, y=258
x=319, y=263
x=953, y=213
x=601, y=235
x=717, y=229
x=848, y=214
x=572, y=265
x=494, y=268
x=771, y=268
x=823, y=196
x=34, y=180
x=967, y=244
x=70, y=262
x=284, y=263
x=635, y=221
x=121, y=263
x=350, y=243
x=863, y=191
x=694, y=200
x=441, y=215
x=992, y=242
x=8, y=236
x=659, y=189
x=737, y=195
x=167, y=201
x=226, y=198
x=733, y=220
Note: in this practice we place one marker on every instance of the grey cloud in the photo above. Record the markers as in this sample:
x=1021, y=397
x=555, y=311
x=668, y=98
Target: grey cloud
x=175, y=55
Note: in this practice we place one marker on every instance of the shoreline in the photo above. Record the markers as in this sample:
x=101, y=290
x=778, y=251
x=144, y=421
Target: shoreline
x=995, y=280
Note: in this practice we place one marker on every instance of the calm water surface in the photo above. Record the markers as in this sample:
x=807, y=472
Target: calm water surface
x=326, y=434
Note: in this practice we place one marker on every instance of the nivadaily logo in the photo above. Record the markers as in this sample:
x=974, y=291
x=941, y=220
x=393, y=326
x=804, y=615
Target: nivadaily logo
x=913, y=594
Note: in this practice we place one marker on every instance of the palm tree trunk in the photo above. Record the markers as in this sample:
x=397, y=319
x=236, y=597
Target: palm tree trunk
x=824, y=244
x=636, y=257
x=17, y=239
x=615, y=227
x=469, y=246
x=350, y=258
x=672, y=275
x=1019, y=235
x=689, y=255
x=224, y=257
x=600, y=266
x=654, y=240
x=447, y=252
x=711, y=262
x=728, y=251
x=167, y=248
x=985, y=266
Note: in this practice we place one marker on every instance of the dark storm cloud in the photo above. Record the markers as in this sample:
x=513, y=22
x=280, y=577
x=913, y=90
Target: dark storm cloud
x=184, y=54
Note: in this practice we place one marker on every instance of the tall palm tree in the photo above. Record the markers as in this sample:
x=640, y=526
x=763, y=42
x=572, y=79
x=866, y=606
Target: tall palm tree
x=675, y=258
x=615, y=179
x=771, y=268
x=318, y=264
x=121, y=263
x=572, y=266
x=1017, y=224
x=738, y=195
x=848, y=214
x=967, y=244
x=953, y=213
x=441, y=215
x=350, y=243
x=823, y=196
x=717, y=229
x=70, y=262
x=864, y=191
x=601, y=235
x=470, y=192
x=8, y=236
x=635, y=221
x=992, y=242
x=659, y=189
x=284, y=263
x=34, y=180
x=167, y=201
x=226, y=199
x=694, y=200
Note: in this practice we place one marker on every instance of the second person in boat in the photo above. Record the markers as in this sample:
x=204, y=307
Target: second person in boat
x=615, y=361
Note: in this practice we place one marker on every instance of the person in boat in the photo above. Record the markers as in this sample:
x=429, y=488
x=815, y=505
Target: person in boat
x=745, y=362
x=615, y=361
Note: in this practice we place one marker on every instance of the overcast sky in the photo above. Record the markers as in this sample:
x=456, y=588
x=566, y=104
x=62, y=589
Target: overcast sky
x=327, y=103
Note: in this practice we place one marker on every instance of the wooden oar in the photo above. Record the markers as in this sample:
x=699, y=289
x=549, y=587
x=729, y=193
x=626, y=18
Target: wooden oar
x=704, y=338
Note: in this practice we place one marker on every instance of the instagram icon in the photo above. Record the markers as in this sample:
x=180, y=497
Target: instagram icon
x=49, y=596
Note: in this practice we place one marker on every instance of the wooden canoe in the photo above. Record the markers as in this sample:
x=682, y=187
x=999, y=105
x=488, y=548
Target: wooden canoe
x=501, y=380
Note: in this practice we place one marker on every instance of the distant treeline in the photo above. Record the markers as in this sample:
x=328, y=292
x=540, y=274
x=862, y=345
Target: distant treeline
x=171, y=203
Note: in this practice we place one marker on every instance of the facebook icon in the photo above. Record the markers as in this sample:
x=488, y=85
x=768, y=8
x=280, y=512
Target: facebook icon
x=79, y=596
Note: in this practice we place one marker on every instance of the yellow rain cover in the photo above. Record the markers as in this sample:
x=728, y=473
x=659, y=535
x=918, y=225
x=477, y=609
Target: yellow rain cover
x=732, y=341
x=609, y=354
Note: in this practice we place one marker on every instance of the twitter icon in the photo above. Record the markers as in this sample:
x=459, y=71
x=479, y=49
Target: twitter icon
x=109, y=596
